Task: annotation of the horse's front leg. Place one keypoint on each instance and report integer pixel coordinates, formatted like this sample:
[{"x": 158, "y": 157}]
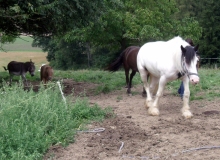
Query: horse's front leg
[
  {"x": 11, "y": 77},
  {"x": 24, "y": 79},
  {"x": 154, "y": 109},
  {"x": 186, "y": 109}
]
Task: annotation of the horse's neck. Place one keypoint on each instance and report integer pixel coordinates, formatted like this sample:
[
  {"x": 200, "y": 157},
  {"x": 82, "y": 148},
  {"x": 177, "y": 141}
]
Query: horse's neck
[{"x": 26, "y": 66}]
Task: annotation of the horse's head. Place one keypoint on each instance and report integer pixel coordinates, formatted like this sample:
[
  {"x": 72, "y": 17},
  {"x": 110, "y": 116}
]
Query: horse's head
[
  {"x": 31, "y": 68},
  {"x": 189, "y": 63}
]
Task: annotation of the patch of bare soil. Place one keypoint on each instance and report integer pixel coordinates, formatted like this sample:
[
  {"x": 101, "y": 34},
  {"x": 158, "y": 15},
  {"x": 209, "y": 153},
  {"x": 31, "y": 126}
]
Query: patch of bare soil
[{"x": 133, "y": 134}]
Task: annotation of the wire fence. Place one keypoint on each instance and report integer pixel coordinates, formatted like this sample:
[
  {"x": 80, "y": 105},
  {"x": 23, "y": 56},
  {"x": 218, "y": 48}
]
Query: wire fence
[{"x": 210, "y": 63}]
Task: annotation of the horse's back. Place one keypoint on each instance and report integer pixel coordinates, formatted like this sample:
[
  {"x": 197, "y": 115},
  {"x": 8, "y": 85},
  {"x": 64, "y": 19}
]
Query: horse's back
[
  {"x": 130, "y": 57},
  {"x": 162, "y": 56},
  {"x": 152, "y": 54},
  {"x": 46, "y": 72},
  {"x": 15, "y": 67}
]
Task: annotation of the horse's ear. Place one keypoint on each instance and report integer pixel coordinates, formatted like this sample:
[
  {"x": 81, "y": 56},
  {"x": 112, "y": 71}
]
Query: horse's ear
[
  {"x": 196, "y": 47},
  {"x": 183, "y": 49},
  {"x": 30, "y": 60}
]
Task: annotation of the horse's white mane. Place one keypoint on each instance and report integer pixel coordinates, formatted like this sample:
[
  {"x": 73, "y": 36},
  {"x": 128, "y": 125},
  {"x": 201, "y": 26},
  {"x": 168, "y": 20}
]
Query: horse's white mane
[{"x": 176, "y": 43}]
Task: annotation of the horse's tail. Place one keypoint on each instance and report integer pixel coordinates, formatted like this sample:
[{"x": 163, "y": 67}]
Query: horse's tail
[
  {"x": 117, "y": 63},
  {"x": 5, "y": 68}
]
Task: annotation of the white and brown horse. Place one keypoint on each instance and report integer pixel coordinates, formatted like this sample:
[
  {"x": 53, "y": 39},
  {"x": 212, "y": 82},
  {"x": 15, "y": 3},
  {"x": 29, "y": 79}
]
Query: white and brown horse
[
  {"x": 167, "y": 61},
  {"x": 20, "y": 69}
]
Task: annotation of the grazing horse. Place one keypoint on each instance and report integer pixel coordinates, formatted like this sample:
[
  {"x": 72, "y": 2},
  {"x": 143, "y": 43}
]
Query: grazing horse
[
  {"x": 167, "y": 61},
  {"x": 129, "y": 60},
  {"x": 20, "y": 69},
  {"x": 46, "y": 73}
]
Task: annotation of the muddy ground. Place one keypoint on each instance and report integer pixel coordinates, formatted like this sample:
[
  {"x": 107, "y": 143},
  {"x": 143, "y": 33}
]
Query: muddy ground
[{"x": 133, "y": 134}]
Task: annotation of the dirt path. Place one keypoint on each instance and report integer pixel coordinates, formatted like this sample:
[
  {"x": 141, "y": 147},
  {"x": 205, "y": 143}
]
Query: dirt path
[{"x": 133, "y": 134}]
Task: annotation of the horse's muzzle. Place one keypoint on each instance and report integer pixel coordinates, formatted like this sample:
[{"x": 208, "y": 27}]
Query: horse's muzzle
[{"x": 194, "y": 80}]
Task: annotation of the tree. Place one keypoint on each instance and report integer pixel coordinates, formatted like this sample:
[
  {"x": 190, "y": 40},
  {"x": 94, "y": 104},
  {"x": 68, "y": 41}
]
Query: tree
[
  {"x": 207, "y": 13},
  {"x": 136, "y": 23},
  {"x": 209, "y": 17},
  {"x": 46, "y": 17},
  {"x": 127, "y": 23}
]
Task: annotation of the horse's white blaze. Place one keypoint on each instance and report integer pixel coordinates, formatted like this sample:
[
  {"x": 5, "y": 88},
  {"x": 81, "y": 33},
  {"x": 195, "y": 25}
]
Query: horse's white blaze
[
  {"x": 163, "y": 61},
  {"x": 194, "y": 79}
]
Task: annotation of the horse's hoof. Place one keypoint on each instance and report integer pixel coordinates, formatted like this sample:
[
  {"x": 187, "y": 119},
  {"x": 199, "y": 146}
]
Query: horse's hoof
[
  {"x": 144, "y": 95},
  {"x": 128, "y": 91},
  {"x": 149, "y": 104},
  {"x": 187, "y": 114},
  {"x": 153, "y": 111}
]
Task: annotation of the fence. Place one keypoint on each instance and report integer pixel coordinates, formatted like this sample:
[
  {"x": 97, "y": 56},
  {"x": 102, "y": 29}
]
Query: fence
[{"x": 212, "y": 63}]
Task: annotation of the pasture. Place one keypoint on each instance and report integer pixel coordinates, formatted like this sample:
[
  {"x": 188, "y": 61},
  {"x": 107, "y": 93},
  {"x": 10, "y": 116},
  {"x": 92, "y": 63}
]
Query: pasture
[
  {"x": 22, "y": 51},
  {"x": 37, "y": 124}
]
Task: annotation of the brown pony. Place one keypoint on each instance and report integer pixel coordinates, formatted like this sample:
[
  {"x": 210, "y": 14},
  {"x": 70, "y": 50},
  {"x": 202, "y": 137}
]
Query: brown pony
[
  {"x": 46, "y": 73},
  {"x": 129, "y": 60}
]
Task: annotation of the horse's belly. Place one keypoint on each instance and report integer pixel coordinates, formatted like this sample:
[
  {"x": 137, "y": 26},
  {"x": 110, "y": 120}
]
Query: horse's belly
[{"x": 16, "y": 73}]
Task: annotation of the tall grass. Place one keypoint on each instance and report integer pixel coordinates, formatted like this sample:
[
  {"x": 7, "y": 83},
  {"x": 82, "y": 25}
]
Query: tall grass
[{"x": 31, "y": 122}]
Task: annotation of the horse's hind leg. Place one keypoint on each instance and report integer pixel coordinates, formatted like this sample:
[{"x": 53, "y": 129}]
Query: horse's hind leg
[
  {"x": 144, "y": 74},
  {"x": 130, "y": 81},
  {"x": 153, "y": 110},
  {"x": 127, "y": 77}
]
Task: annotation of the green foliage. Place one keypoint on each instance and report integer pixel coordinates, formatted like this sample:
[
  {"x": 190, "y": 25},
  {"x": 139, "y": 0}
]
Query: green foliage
[
  {"x": 31, "y": 122},
  {"x": 211, "y": 32},
  {"x": 43, "y": 17},
  {"x": 207, "y": 14},
  {"x": 61, "y": 54},
  {"x": 131, "y": 23}
]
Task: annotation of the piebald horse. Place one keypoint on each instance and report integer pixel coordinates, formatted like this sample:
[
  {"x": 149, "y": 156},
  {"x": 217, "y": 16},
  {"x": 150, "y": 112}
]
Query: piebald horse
[{"x": 166, "y": 61}]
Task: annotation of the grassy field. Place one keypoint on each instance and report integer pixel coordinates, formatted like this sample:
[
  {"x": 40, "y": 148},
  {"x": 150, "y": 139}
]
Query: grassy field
[
  {"x": 22, "y": 44},
  {"x": 22, "y": 51},
  {"x": 31, "y": 121}
]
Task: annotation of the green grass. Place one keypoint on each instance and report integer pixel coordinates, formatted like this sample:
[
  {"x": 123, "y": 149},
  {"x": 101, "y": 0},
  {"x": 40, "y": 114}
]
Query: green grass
[
  {"x": 107, "y": 81},
  {"x": 208, "y": 87},
  {"x": 31, "y": 122},
  {"x": 21, "y": 44}
]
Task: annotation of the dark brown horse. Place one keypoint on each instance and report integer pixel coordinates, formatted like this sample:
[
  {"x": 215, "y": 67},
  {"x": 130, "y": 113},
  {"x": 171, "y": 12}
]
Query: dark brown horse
[
  {"x": 129, "y": 60},
  {"x": 20, "y": 69}
]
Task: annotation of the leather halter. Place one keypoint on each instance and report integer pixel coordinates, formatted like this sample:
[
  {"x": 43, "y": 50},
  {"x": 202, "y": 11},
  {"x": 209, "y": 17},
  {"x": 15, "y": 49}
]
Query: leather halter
[{"x": 185, "y": 70}]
